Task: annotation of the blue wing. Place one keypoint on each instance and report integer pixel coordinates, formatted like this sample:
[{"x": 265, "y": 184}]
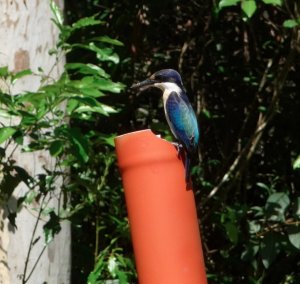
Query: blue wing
[{"x": 182, "y": 120}]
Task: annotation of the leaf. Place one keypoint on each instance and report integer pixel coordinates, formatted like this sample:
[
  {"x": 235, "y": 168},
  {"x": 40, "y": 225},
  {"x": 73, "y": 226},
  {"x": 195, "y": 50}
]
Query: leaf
[
  {"x": 250, "y": 252},
  {"x": 103, "y": 54},
  {"x": 92, "y": 92},
  {"x": 112, "y": 265},
  {"x": 101, "y": 109},
  {"x": 89, "y": 69},
  {"x": 20, "y": 74},
  {"x": 232, "y": 232},
  {"x": 296, "y": 163},
  {"x": 269, "y": 248},
  {"x": 6, "y": 99},
  {"x": 273, "y": 2},
  {"x": 72, "y": 105},
  {"x": 5, "y": 133},
  {"x": 297, "y": 207},
  {"x": 85, "y": 22},
  {"x": 56, "y": 148},
  {"x": 98, "y": 270},
  {"x": 58, "y": 18},
  {"x": 263, "y": 186},
  {"x": 276, "y": 206},
  {"x": 109, "y": 139},
  {"x": 254, "y": 227},
  {"x": 81, "y": 146},
  {"x": 52, "y": 227},
  {"x": 87, "y": 101},
  {"x": 108, "y": 55},
  {"x": 4, "y": 71},
  {"x": 107, "y": 85},
  {"x": 28, "y": 119},
  {"x": 228, "y": 3},
  {"x": 108, "y": 109},
  {"x": 249, "y": 7},
  {"x": 291, "y": 23},
  {"x": 294, "y": 235},
  {"x": 30, "y": 196},
  {"x": 109, "y": 40}
]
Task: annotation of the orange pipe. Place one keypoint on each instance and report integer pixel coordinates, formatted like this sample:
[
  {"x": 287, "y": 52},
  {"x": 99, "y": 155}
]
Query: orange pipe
[{"x": 161, "y": 211}]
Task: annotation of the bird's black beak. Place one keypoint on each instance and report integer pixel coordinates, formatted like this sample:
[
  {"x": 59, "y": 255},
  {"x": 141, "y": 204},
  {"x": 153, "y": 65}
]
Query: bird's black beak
[{"x": 143, "y": 85}]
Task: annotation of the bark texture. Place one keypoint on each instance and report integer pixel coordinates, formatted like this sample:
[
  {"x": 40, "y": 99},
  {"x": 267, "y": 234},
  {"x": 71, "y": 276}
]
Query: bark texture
[{"x": 26, "y": 36}]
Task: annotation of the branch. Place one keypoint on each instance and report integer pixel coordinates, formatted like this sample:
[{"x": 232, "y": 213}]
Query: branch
[{"x": 241, "y": 161}]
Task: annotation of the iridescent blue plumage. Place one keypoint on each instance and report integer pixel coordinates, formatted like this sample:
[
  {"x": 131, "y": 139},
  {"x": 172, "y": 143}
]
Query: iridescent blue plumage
[
  {"x": 182, "y": 120},
  {"x": 178, "y": 110}
]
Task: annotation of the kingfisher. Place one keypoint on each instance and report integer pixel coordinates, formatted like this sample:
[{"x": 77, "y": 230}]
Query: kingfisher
[{"x": 179, "y": 113}]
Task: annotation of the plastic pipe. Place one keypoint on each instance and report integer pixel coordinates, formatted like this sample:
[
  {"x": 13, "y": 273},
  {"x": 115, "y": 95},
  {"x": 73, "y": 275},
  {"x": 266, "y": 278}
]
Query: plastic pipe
[{"x": 161, "y": 211}]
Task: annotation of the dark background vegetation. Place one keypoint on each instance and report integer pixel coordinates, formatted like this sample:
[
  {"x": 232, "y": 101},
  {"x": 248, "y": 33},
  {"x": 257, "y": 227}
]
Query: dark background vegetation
[{"x": 242, "y": 76}]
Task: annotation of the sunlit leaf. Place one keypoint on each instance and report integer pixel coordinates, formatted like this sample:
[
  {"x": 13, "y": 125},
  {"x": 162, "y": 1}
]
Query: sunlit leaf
[
  {"x": 109, "y": 40},
  {"x": 30, "y": 196},
  {"x": 4, "y": 71},
  {"x": 6, "y": 133},
  {"x": 107, "y": 85},
  {"x": 273, "y": 2},
  {"x": 4, "y": 114},
  {"x": 94, "y": 276},
  {"x": 58, "y": 18},
  {"x": 72, "y": 105},
  {"x": 291, "y": 23},
  {"x": 103, "y": 54},
  {"x": 108, "y": 139},
  {"x": 84, "y": 22},
  {"x": 296, "y": 163},
  {"x": 106, "y": 54},
  {"x": 108, "y": 109},
  {"x": 20, "y": 74},
  {"x": 249, "y": 7},
  {"x": 228, "y": 3},
  {"x": 89, "y": 69},
  {"x": 112, "y": 265},
  {"x": 92, "y": 92},
  {"x": 101, "y": 109}
]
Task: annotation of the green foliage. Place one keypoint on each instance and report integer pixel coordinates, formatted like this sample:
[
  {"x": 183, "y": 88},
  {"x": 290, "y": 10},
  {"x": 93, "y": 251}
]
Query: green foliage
[
  {"x": 60, "y": 118},
  {"x": 6, "y": 132},
  {"x": 111, "y": 265},
  {"x": 247, "y": 6},
  {"x": 291, "y": 23}
]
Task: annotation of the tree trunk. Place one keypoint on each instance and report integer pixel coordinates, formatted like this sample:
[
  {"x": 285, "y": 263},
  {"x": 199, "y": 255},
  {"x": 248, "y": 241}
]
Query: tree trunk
[{"x": 26, "y": 35}]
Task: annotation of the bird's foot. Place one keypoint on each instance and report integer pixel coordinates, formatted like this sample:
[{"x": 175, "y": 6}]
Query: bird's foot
[{"x": 178, "y": 147}]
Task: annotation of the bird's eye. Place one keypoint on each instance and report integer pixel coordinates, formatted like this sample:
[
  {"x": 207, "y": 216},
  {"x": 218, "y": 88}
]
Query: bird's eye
[{"x": 159, "y": 78}]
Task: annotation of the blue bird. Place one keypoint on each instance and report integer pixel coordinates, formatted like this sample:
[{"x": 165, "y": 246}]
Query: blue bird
[{"x": 178, "y": 110}]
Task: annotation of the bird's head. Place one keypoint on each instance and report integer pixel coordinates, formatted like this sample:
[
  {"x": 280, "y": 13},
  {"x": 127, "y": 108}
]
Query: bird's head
[{"x": 161, "y": 79}]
